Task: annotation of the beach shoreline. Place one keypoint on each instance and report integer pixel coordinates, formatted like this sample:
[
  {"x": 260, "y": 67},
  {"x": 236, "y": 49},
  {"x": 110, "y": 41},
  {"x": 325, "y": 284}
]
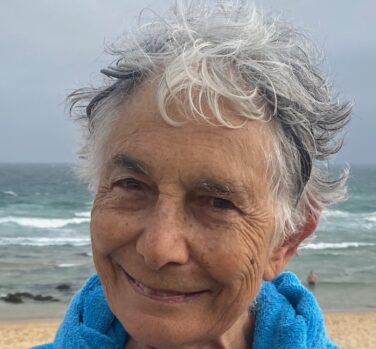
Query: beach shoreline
[{"x": 349, "y": 329}]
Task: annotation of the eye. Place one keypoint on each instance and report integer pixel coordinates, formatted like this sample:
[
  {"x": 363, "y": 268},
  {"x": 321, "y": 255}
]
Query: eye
[
  {"x": 130, "y": 184},
  {"x": 221, "y": 204},
  {"x": 130, "y": 195}
]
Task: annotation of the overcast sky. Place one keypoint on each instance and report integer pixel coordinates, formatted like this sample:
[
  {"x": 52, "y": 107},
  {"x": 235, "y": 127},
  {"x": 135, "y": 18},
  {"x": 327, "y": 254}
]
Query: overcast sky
[{"x": 48, "y": 48}]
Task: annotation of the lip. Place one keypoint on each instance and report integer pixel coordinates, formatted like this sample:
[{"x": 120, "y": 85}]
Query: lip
[{"x": 164, "y": 296}]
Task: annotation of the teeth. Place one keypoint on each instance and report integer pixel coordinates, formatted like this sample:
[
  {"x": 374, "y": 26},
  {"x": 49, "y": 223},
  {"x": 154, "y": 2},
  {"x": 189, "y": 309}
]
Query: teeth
[
  {"x": 156, "y": 293},
  {"x": 150, "y": 292},
  {"x": 162, "y": 294}
]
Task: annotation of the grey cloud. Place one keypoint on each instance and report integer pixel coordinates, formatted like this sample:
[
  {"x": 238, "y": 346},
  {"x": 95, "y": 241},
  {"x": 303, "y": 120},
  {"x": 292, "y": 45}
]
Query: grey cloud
[{"x": 49, "y": 48}]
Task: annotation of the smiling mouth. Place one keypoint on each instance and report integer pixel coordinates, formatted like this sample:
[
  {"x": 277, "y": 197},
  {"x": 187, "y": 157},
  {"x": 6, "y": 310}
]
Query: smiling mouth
[{"x": 166, "y": 296}]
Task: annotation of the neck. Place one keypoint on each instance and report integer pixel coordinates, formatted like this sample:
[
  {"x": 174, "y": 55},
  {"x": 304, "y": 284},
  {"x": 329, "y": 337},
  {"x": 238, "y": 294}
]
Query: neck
[{"x": 239, "y": 336}]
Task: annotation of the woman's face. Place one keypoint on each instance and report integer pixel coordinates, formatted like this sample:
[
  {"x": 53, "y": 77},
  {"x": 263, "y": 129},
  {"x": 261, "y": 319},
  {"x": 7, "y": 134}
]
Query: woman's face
[{"x": 181, "y": 224}]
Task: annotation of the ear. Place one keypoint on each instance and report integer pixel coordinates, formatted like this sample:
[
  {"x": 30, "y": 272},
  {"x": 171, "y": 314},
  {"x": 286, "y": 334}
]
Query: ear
[{"x": 282, "y": 253}]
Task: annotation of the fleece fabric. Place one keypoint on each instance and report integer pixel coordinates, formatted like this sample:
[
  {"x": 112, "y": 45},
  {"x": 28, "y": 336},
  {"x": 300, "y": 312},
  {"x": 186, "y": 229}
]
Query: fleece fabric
[{"x": 287, "y": 316}]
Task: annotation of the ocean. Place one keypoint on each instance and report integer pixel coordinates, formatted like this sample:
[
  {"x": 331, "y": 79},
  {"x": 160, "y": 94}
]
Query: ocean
[{"x": 45, "y": 243}]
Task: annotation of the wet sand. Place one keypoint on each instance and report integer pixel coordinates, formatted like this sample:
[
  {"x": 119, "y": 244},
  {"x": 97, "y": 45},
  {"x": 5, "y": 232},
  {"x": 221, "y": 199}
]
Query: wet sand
[{"x": 349, "y": 330}]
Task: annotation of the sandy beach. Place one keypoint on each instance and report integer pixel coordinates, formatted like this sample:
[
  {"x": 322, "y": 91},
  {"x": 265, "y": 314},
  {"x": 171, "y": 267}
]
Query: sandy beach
[{"x": 350, "y": 330}]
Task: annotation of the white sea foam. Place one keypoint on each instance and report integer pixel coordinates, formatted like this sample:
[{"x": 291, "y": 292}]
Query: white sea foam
[
  {"x": 43, "y": 241},
  {"x": 336, "y": 214},
  {"x": 9, "y": 192},
  {"x": 85, "y": 214},
  {"x": 45, "y": 223},
  {"x": 66, "y": 265},
  {"x": 371, "y": 217},
  {"x": 348, "y": 220},
  {"x": 334, "y": 245}
]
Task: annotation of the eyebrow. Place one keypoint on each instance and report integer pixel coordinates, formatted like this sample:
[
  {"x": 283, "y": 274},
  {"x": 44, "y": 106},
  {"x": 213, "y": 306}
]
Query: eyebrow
[
  {"x": 220, "y": 188},
  {"x": 130, "y": 163},
  {"x": 212, "y": 186}
]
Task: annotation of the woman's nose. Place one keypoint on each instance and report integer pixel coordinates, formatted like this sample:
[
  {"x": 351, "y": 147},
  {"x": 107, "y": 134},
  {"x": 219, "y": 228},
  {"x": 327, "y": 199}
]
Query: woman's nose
[{"x": 164, "y": 239}]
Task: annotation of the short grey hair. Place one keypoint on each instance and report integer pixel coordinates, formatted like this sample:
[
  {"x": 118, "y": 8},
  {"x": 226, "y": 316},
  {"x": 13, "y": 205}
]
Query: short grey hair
[{"x": 202, "y": 52}]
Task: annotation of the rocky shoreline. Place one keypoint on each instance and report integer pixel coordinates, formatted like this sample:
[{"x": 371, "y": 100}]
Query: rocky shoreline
[{"x": 21, "y": 297}]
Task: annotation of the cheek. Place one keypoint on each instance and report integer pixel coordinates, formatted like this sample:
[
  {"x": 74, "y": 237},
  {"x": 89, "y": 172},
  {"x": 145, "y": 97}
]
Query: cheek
[
  {"x": 254, "y": 244},
  {"x": 111, "y": 229},
  {"x": 103, "y": 230},
  {"x": 236, "y": 259},
  {"x": 102, "y": 245}
]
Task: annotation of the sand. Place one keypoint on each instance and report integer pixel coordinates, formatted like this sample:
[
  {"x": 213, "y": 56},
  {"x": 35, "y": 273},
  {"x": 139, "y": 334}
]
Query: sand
[
  {"x": 24, "y": 334},
  {"x": 350, "y": 330},
  {"x": 355, "y": 330}
]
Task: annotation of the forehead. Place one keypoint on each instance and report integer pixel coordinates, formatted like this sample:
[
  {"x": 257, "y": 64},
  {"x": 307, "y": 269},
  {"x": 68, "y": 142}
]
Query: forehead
[{"x": 141, "y": 132}]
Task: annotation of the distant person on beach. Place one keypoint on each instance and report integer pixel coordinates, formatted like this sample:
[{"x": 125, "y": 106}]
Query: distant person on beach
[
  {"x": 206, "y": 147},
  {"x": 312, "y": 278}
]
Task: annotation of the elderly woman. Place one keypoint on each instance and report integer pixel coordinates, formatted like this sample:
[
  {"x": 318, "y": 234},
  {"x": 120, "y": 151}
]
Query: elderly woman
[{"x": 206, "y": 149}]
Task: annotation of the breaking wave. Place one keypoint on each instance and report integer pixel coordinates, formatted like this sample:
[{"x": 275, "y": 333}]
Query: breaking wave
[
  {"x": 43, "y": 241},
  {"x": 9, "y": 192},
  {"x": 85, "y": 214},
  {"x": 333, "y": 245},
  {"x": 43, "y": 223}
]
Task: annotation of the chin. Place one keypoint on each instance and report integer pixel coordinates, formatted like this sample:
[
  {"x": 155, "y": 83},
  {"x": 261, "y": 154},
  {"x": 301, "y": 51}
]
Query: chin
[{"x": 160, "y": 333}]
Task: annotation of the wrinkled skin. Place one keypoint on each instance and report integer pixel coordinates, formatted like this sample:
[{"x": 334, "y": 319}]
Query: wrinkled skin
[{"x": 160, "y": 222}]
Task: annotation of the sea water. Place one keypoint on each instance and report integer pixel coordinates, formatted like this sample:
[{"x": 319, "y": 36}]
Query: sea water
[{"x": 45, "y": 240}]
